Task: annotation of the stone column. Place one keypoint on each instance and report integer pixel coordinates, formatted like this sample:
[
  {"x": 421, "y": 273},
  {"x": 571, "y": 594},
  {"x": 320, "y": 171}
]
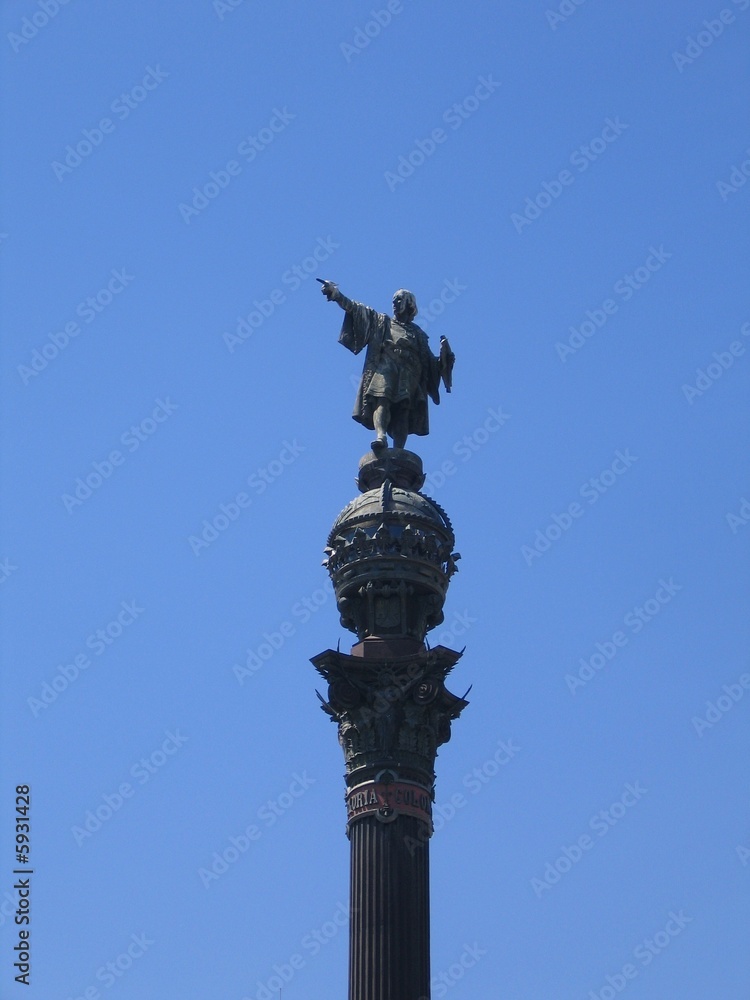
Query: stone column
[
  {"x": 389, "y": 943},
  {"x": 390, "y": 556}
]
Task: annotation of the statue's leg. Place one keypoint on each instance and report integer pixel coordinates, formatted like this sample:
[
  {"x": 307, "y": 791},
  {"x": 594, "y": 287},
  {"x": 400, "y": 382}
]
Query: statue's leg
[
  {"x": 380, "y": 417},
  {"x": 399, "y": 429}
]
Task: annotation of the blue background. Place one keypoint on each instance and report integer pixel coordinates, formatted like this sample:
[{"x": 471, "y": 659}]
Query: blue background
[{"x": 347, "y": 116}]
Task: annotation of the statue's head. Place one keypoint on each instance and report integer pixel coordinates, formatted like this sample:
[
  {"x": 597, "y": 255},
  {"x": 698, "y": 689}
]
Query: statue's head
[{"x": 404, "y": 305}]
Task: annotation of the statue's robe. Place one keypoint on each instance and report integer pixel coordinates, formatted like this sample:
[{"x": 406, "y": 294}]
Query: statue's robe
[{"x": 399, "y": 365}]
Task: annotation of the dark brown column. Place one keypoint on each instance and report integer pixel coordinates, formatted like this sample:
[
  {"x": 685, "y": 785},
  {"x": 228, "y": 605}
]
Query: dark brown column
[
  {"x": 389, "y": 944},
  {"x": 390, "y": 557}
]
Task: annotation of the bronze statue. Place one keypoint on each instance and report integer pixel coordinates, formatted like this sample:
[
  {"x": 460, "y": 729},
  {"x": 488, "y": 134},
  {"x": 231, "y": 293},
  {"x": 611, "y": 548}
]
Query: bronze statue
[{"x": 400, "y": 370}]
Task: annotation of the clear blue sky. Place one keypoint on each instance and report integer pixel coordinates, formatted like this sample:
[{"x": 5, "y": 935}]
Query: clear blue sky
[{"x": 563, "y": 189}]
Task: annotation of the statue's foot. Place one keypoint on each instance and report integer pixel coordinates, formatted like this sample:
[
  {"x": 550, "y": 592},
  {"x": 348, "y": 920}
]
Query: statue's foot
[{"x": 379, "y": 443}]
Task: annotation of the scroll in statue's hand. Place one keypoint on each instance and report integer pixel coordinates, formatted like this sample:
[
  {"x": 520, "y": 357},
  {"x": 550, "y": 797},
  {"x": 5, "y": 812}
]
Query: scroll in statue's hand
[{"x": 446, "y": 359}]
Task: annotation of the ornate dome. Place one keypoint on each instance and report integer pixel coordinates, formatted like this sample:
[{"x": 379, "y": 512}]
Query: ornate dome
[
  {"x": 390, "y": 557},
  {"x": 397, "y": 504}
]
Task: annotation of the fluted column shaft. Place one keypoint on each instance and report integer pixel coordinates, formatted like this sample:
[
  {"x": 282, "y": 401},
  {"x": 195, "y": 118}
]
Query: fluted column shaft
[{"x": 389, "y": 944}]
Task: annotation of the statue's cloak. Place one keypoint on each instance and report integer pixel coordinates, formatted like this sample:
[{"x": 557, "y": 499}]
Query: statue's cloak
[{"x": 366, "y": 327}]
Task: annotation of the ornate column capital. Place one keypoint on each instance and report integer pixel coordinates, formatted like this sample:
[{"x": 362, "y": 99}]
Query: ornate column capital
[{"x": 392, "y": 715}]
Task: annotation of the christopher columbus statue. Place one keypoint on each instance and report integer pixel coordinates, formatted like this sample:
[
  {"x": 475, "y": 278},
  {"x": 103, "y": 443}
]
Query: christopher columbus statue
[{"x": 400, "y": 370}]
